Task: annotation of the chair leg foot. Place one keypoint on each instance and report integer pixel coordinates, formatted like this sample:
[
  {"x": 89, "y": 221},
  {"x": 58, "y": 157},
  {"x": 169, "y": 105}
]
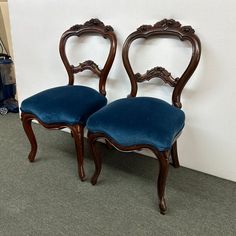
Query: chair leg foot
[
  {"x": 96, "y": 158},
  {"x": 162, "y": 206},
  {"x": 81, "y": 174},
  {"x": 27, "y": 125},
  {"x": 78, "y": 135},
  {"x": 174, "y": 155},
  {"x": 161, "y": 182},
  {"x": 94, "y": 180}
]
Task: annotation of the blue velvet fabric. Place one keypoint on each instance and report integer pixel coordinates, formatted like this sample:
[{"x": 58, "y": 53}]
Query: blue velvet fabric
[
  {"x": 64, "y": 105},
  {"x": 139, "y": 120}
]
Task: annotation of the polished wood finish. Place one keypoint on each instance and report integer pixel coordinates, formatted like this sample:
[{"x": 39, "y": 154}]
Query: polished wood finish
[
  {"x": 162, "y": 177},
  {"x": 174, "y": 155},
  {"x": 162, "y": 156},
  {"x": 159, "y": 72},
  {"x": 163, "y": 28},
  {"x": 93, "y": 26},
  {"x": 76, "y": 131},
  {"x": 27, "y": 125}
]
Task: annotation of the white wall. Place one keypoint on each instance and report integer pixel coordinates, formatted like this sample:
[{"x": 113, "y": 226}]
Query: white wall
[{"x": 208, "y": 141}]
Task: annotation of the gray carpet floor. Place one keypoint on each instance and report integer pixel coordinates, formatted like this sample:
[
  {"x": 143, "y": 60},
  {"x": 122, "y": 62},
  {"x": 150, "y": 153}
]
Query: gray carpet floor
[{"x": 47, "y": 197}]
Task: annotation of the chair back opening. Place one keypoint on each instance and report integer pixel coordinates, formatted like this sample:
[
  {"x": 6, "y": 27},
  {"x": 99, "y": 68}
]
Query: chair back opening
[
  {"x": 170, "y": 29},
  {"x": 91, "y": 27}
]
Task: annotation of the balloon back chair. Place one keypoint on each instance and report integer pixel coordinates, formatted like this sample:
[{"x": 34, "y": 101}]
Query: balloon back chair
[
  {"x": 70, "y": 106},
  {"x": 135, "y": 123}
]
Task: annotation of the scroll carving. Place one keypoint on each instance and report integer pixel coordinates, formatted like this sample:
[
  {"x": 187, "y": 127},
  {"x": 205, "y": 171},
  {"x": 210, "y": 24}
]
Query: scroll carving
[
  {"x": 87, "y": 65},
  {"x": 158, "y": 72},
  {"x": 187, "y": 30},
  {"x": 76, "y": 27},
  {"x": 144, "y": 28},
  {"x": 93, "y": 22},
  {"x": 166, "y": 24}
]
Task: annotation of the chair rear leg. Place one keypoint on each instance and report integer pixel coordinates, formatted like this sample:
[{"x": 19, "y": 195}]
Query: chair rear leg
[
  {"x": 96, "y": 158},
  {"x": 27, "y": 125},
  {"x": 78, "y": 135},
  {"x": 161, "y": 182},
  {"x": 108, "y": 145},
  {"x": 174, "y": 155}
]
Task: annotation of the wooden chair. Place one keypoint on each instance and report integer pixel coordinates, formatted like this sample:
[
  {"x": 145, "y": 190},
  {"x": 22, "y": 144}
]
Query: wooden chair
[
  {"x": 70, "y": 106},
  {"x": 135, "y": 123}
]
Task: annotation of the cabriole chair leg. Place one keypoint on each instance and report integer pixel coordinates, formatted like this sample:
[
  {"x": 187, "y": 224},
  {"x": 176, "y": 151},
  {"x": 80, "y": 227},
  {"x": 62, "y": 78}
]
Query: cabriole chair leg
[
  {"x": 161, "y": 182},
  {"x": 96, "y": 158},
  {"x": 27, "y": 125},
  {"x": 78, "y": 135},
  {"x": 174, "y": 155}
]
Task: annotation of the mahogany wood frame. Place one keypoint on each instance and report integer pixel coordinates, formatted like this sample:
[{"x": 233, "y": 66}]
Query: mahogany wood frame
[
  {"x": 162, "y": 28},
  {"x": 93, "y": 26}
]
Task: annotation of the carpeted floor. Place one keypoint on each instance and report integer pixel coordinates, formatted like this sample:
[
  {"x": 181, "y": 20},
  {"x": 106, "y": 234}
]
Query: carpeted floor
[{"x": 47, "y": 197}]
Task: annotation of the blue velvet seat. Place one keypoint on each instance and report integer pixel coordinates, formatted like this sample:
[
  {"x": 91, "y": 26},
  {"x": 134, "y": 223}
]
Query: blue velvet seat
[
  {"x": 70, "y": 106},
  {"x": 139, "y": 120},
  {"x": 135, "y": 123},
  {"x": 51, "y": 107}
]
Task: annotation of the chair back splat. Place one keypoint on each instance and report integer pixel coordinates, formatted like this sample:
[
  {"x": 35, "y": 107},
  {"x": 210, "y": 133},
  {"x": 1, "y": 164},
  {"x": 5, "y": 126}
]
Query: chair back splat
[
  {"x": 163, "y": 28},
  {"x": 93, "y": 26},
  {"x": 135, "y": 123}
]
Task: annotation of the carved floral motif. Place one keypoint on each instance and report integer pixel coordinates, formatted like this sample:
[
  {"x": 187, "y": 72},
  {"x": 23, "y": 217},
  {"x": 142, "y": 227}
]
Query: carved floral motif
[
  {"x": 92, "y": 22},
  {"x": 166, "y": 24},
  {"x": 144, "y": 28},
  {"x": 76, "y": 27},
  {"x": 187, "y": 30},
  {"x": 87, "y": 65},
  {"x": 159, "y": 72}
]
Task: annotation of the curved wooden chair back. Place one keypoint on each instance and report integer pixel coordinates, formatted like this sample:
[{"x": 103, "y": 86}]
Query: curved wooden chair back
[
  {"x": 93, "y": 26},
  {"x": 164, "y": 28}
]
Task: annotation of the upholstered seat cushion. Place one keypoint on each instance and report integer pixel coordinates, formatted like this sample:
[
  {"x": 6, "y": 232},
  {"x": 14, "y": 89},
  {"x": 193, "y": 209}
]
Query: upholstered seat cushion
[
  {"x": 64, "y": 105},
  {"x": 140, "y": 120}
]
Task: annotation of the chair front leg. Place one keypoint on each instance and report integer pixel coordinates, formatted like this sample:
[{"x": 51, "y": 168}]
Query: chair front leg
[
  {"x": 78, "y": 135},
  {"x": 27, "y": 125},
  {"x": 97, "y": 158},
  {"x": 161, "y": 182},
  {"x": 174, "y": 155}
]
